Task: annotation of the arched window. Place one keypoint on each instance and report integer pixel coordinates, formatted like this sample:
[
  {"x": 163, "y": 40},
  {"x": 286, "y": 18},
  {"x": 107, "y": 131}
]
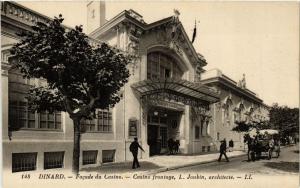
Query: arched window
[
  {"x": 241, "y": 110},
  {"x": 227, "y": 111},
  {"x": 197, "y": 132},
  {"x": 207, "y": 131},
  {"x": 162, "y": 66}
]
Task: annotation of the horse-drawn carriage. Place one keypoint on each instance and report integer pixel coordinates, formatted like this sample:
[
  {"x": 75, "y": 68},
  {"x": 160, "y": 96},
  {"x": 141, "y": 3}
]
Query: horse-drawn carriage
[{"x": 265, "y": 144}]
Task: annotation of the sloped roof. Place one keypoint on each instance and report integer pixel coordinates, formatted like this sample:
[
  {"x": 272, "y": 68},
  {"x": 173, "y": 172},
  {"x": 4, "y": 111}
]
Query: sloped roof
[{"x": 136, "y": 19}]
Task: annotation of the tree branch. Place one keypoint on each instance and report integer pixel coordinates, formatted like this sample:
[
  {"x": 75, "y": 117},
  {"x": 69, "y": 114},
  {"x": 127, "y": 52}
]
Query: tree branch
[
  {"x": 85, "y": 89},
  {"x": 68, "y": 106},
  {"x": 93, "y": 100}
]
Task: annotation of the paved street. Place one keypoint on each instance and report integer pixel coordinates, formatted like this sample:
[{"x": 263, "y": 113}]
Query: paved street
[
  {"x": 159, "y": 163},
  {"x": 287, "y": 163}
]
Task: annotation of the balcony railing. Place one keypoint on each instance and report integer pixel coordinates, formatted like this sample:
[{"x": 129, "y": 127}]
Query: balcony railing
[{"x": 21, "y": 13}]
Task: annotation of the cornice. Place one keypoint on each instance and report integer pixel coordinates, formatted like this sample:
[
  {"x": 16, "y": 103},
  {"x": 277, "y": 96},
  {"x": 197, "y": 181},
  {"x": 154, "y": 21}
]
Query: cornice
[
  {"x": 124, "y": 17},
  {"x": 17, "y": 13},
  {"x": 229, "y": 85}
]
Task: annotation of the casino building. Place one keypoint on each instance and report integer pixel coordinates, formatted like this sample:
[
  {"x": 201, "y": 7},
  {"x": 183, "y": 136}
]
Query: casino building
[{"x": 168, "y": 95}]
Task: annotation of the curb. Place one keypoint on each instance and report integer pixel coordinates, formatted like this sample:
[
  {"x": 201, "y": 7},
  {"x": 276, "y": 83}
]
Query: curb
[{"x": 165, "y": 169}]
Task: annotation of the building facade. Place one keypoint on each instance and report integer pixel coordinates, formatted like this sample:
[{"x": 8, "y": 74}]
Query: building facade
[
  {"x": 237, "y": 103},
  {"x": 168, "y": 96}
]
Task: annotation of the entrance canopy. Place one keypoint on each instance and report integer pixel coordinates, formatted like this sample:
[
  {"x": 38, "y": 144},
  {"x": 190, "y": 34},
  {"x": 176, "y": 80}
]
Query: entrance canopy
[{"x": 188, "y": 93}]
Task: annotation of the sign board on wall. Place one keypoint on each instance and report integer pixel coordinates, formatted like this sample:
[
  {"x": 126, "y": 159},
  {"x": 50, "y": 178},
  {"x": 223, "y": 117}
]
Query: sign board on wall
[{"x": 133, "y": 122}]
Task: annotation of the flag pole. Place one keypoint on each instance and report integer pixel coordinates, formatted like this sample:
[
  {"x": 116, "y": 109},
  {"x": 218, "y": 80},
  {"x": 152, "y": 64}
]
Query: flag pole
[{"x": 194, "y": 32}]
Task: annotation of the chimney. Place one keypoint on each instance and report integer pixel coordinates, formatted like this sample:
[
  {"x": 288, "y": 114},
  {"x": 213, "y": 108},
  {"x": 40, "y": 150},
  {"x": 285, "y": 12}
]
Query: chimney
[{"x": 95, "y": 15}]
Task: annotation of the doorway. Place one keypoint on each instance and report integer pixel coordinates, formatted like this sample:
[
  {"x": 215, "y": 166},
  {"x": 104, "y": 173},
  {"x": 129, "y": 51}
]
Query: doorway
[
  {"x": 153, "y": 140},
  {"x": 162, "y": 125}
]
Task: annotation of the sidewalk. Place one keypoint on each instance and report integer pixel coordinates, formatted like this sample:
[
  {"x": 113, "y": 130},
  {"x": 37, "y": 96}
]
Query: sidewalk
[{"x": 158, "y": 164}]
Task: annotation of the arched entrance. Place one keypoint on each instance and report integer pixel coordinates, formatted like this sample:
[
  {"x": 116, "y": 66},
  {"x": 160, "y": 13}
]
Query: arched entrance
[
  {"x": 162, "y": 121},
  {"x": 167, "y": 96}
]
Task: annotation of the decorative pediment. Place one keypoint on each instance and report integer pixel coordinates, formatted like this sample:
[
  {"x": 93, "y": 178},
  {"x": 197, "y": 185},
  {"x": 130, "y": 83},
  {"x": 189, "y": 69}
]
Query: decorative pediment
[{"x": 171, "y": 33}]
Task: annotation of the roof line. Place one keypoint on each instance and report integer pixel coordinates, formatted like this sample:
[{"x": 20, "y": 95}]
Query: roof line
[{"x": 227, "y": 83}]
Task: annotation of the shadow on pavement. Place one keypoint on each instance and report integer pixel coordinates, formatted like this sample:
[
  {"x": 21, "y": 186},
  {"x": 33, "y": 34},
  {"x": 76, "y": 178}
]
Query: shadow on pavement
[
  {"x": 121, "y": 167},
  {"x": 284, "y": 166}
]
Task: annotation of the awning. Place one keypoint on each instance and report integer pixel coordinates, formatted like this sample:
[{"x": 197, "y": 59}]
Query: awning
[{"x": 189, "y": 93}]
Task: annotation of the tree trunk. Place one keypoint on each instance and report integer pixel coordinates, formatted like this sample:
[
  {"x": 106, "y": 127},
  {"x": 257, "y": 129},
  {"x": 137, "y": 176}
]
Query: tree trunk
[{"x": 76, "y": 147}]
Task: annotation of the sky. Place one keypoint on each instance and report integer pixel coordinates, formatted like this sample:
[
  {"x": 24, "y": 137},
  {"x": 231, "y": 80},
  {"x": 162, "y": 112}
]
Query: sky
[{"x": 260, "y": 39}]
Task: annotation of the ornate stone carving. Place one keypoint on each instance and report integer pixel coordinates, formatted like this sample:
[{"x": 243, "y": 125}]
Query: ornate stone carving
[
  {"x": 200, "y": 114},
  {"x": 134, "y": 34},
  {"x": 170, "y": 34},
  {"x": 242, "y": 82},
  {"x": 136, "y": 16},
  {"x": 161, "y": 35}
]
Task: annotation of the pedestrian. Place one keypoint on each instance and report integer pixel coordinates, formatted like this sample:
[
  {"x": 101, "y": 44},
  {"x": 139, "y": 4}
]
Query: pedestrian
[
  {"x": 171, "y": 146},
  {"x": 176, "y": 147},
  {"x": 134, "y": 148},
  {"x": 231, "y": 145},
  {"x": 223, "y": 148}
]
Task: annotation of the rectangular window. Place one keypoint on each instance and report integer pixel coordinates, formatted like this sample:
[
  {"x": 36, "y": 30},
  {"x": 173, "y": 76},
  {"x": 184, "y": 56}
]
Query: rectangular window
[
  {"x": 108, "y": 156},
  {"x": 50, "y": 120},
  {"x": 203, "y": 148},
  {"x": 23, "y": 162},
  {"x": 20, "y": 116},
  {"x": 89, "y": 125},
  {"x": 208, "y": 148},
  {"x": 89, "y": 157},
  {"x": 197, "y": 132},
  {"x": 54, "y": 159},
  {"x": 104, "y": 121}
]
